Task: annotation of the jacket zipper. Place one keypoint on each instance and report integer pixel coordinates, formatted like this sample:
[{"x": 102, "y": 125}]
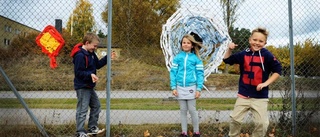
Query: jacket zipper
[{"x": 185, "y": 70}]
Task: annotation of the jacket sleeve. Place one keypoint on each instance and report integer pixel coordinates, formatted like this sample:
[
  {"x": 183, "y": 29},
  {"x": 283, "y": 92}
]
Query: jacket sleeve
[
  {"x": 100, "y": 63},
  {"x": 276, "y": 65},
  {"x": 173, "y": 74},
  {"x": 233, "y": 59},
  {"x": 200, "y": 75}
]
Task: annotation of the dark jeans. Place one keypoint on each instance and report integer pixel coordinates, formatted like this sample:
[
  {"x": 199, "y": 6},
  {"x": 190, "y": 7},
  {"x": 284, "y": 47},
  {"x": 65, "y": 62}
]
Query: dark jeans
[{"x": 87, "y": 98}]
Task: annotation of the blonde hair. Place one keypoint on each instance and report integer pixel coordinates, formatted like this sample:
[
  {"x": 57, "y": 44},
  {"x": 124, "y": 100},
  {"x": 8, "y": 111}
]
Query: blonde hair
[
  {"x": 196, "y": 45},
  {"x": 262, "y": 31},
  {"x": 90, "y": 37}
]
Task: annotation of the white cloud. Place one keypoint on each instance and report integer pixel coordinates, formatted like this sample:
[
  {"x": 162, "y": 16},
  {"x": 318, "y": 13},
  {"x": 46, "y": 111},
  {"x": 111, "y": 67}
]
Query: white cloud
[
  {"x": 275, "y": 17},
  {"x": 251, "y": 14},
  {"x": 39, "y": 14}
]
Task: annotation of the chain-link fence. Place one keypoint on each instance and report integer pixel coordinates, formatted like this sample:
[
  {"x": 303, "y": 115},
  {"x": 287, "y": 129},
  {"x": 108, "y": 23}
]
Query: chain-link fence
[{"x": 37, "y": 100}]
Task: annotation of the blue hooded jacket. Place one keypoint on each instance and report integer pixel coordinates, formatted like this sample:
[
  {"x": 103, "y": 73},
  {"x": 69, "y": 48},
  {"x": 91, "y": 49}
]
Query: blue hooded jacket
[
  {"x": 187, "y": 70},
  {"x": 255, "y": 68},
  {"x": 85, "y": 64}
]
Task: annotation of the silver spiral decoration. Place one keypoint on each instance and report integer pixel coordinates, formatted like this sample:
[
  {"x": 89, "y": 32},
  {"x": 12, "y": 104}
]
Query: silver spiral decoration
[{"x": 212, "y": 32}]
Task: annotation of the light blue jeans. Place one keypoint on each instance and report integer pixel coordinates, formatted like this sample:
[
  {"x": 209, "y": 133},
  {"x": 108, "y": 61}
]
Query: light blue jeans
[{"x": 87, "y": 98}]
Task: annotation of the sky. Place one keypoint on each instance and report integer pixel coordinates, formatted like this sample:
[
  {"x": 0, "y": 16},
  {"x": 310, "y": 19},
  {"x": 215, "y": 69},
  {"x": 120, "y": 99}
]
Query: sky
[
  {"x": 40, "y": 13},
  {"x": 274, "y": 16},
  {"x": 271, "y": 14}
]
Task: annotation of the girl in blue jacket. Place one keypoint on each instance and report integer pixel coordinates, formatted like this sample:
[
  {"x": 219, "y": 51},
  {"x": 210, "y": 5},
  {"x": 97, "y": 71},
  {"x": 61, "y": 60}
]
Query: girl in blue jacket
[
  {"x": 258, "y": 69},
  {"x": 186, "y": 80}
]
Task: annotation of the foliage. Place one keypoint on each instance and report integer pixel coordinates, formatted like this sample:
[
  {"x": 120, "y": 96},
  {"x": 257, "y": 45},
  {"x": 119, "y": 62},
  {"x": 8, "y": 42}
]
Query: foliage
[
  {"x": 306, "y": 109},
  {"x": 20, "y": 48},
  {"x": 305, "y": 58},
  {"x": 229, "y": 11},
  {"x": 81, "y": 20},
  {"x": 130, "y": 17},
  {"x": 240, "y": 37}
]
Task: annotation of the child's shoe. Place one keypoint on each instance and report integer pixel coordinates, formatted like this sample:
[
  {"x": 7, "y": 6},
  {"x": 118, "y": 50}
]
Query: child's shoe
[
  {"x": 196, "y": 134},
  {"x": 93, "y": 130},
  {"x": 81, "y": 134},
  {"x": 183, "y": 135}
]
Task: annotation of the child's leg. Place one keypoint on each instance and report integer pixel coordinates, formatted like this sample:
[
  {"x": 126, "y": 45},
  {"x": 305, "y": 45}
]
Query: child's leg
[
  {"x": 183, "y": 115},
  {"x": 194, "y": 114},
  {"x": 260, "y": 115},
  {"x": 94, "y": 110},
  {"x": 83, "y": 96},
  {"x": 241, "y": 108}
]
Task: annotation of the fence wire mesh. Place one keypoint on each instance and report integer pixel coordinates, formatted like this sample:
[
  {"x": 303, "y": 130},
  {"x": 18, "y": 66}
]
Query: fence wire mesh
[{"x": 141, "y": 100}]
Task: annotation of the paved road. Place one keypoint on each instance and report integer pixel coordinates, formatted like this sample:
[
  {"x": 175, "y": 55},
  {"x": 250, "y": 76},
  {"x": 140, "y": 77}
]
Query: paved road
[{"x": 66, "y": 116}]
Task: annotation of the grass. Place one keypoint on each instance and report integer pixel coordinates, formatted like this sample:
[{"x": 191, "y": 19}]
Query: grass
[
  {"x": 156, "y": 130},
  {"x": 135, "y": 104},
  {"x": 32, "y": 73}
]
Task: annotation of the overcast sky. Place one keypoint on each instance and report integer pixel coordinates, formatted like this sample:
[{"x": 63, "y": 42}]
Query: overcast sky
[{"x": 272, "y": 14}]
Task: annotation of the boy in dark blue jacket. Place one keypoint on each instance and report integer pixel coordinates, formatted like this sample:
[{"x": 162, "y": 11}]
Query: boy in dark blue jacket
[
  {"x": 86, "y": 63},
  {"x": 256, "y": 64}
]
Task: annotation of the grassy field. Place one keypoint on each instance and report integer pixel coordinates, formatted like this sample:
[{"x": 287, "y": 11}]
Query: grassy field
[
  {"x": 136, "y": 104},
  {"x": 34, "y": 74}
]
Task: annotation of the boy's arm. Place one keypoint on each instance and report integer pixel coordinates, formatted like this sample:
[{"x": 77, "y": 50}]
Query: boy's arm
[
  {"x": 270, "y": 80},
  {"x": 229, "y": 50}
]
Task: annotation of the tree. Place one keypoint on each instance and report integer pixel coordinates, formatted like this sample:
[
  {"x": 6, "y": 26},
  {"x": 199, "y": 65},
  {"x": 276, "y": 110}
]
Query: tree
[
  {"x": 137, "y": 25},
  {"x": 229, "y": 15},
  {"x": 240, "y": 37},
  {"x": 101, "y": 34},
  {"x": 81, "y": 20},
  {"x": 229, "y": 11}
]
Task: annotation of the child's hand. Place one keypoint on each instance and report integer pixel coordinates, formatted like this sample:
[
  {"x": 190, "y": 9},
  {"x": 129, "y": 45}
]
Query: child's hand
[
  {"x": 113, "y": 55},
  {"x": 197, "y": 94},
  {"x": 94, "y": 78},
  {"x": 260, "y": 86},
  {"x": 174, "y": 92},
  {"x": 232, "y": 46}
]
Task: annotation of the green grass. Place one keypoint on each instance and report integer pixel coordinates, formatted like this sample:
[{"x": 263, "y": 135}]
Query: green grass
[{"x": 133, "y": 104}]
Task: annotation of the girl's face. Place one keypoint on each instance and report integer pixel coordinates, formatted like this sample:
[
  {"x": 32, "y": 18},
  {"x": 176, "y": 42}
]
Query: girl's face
[
  {"x": 186, "y": 45},
  {"x": 257, "y": 41}
]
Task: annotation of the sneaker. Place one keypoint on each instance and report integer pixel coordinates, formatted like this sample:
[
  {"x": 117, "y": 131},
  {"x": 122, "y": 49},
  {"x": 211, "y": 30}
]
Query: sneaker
[
  {"x": 93, "y": 130},
  {"x": 196, "y": 134},
  {"x": 82, "y": 134},
  {"x": 183, "y": 135}
]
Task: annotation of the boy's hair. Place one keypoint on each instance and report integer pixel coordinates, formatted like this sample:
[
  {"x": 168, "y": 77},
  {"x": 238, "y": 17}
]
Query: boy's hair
[
  {"x": 261, "y": 30},
  {"x": 90, "y": 37},
  {"x": 196, "y": 45}
]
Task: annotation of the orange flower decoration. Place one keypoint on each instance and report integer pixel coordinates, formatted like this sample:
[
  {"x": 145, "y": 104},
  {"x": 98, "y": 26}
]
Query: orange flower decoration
[{"x": 51, "y": 43}]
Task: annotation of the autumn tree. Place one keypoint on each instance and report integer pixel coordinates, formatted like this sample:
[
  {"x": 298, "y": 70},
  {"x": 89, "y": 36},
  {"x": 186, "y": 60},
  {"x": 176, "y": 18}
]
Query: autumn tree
[
  {"x": 137, "y": 26},
  {"x": 229, "y": 11},
  {"x": 240, "y": 37},
  {"x": 81, "y": 20},
  {"x": 229, "y": 15},
  {"x": 306, "y": 58}
]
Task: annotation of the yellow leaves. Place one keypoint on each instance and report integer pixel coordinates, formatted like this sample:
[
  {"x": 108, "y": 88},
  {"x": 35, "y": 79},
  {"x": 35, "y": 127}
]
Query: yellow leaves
[{"x": 49, "y": 42}]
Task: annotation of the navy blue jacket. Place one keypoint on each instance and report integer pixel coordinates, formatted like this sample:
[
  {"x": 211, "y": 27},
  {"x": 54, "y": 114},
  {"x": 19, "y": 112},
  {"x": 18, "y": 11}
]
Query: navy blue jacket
[
  {"x": 253, "y": 71},
  {"x": 85, "y": 64}
]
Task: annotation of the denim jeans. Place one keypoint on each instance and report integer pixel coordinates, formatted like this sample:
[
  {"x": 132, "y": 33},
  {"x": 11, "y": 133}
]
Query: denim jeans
[{"x": 87, "y": 98}]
